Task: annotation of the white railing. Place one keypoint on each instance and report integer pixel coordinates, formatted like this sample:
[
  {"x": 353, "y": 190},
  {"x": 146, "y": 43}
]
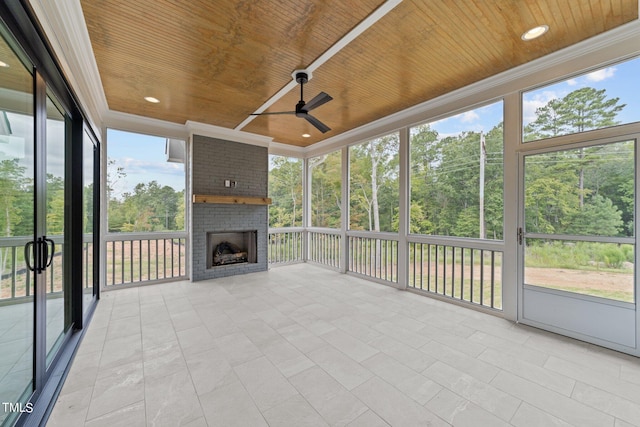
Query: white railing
[
  {"x": 286, "y": 245},
  {"x": 144, "y": 257},
  {"x": 467, "y": 270},
  {"x": 325, "y": 246},
  {"x": 462, "y": 269},
  {"x": 374, "y": 255}
]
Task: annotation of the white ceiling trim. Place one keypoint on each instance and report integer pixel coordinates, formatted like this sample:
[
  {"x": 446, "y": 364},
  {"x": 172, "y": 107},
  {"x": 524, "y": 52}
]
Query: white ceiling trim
[
  {"x": 196, "y": 128},
  {"x": 364, "y": 25},
  {"x": 64, "y": 26},
  {"x": 145, "y": 125},
  {"x": 286, "y": 150}
]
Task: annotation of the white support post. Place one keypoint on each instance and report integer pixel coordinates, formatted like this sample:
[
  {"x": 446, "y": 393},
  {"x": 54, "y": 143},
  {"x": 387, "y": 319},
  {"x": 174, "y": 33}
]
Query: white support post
[
  {"x": 344, "y": 219},
  {"x": 306, "y": 207},
  {"x": 104, "y": 220},
  {"x": 510, "y": 256},
  {"x": 403, "y": 210},
  {"x": 483, "y": 159}
]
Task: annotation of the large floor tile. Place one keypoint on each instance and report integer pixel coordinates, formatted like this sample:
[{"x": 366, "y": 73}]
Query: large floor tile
[
  {"x": 231, "y": 406},
  {"x": 210, "y": 370},
  {"x": 264, "y": 382},
  {"x": 418, "y": 387},
  {"x": 116, "y": 388},
  {"x": 393, "y": 406},
  {"x": 171, "y": 400},
  {"x": 562, "y": 407},
  {"x": 499, "y": 402},
  {"x": 459, "y": 411},
  {"x": 336, "y": 404},
  {"x": 294, "y": 411},
  {"x": 342, "y": 368},
  {"x": 129, "y": 416}
]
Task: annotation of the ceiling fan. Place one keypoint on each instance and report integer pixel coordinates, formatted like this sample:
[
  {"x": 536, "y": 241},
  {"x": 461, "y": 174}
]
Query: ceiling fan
[{"x": 303, "y": 108}]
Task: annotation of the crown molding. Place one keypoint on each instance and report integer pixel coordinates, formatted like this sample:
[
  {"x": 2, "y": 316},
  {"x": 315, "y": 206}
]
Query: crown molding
[
  {"x": 613, "y": 46},
  {"x": 66, "y": 30},
  {"x": 287, "y": 150},
  {"x": 146, "y": 125},
  {"x": 203, "y": 129}
]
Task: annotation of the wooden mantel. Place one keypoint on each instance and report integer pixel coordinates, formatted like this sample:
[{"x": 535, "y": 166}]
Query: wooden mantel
[{"x": 231, "y": 200}]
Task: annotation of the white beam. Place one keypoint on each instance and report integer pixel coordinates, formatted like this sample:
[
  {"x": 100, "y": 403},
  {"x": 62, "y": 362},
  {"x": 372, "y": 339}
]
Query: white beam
[{"x": 364, "y": 25}]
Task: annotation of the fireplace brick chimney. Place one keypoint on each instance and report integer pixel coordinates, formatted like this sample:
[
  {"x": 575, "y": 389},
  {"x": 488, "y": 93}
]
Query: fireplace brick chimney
[{"x": 214, "y": 161}]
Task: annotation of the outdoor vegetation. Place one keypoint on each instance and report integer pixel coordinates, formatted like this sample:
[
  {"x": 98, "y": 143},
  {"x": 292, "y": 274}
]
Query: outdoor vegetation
[
  {"x": 326, "y": 190},
  {"x": 148, "y": 207},
  {"x": 456, "y": 188},
  {"x": 16, "y": 205},
  {"x": 586, "y": 191},
  {"x": 285, "y": 191}
]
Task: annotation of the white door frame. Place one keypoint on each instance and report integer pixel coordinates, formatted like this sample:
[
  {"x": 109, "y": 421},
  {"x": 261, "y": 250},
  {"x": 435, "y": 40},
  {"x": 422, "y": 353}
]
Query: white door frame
[{"x": 608, "y": 323}]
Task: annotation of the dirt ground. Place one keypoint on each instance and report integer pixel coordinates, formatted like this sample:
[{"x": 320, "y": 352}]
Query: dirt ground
[
  {"x": 553, "y": 277},
  {"x": 580, "y": 279}
]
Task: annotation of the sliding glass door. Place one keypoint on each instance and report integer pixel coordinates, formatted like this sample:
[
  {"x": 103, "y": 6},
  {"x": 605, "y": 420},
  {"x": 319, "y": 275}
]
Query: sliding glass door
[
  {"x": 48, "y": 218},
  {"x": 53, "y": 277},
  {"x": 16, "y": 230}
]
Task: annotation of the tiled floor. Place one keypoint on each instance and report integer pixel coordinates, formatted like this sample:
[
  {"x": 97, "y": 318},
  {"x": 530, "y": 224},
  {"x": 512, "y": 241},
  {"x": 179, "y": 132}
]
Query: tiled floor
[
  {"x": 16, "y": 344},
  {"x": 304, "y": 346}
]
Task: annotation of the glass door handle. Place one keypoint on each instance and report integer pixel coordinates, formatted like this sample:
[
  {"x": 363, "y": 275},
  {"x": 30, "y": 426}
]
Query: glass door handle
[
  {"x": 48, "y": 259},
  {"x": 28, "y": 249}
]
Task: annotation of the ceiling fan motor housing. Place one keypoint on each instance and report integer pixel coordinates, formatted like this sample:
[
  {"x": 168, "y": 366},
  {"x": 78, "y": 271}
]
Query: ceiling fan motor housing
[
  {"x": 302, "y": 77},
  {"x": 299, "y": 111}
]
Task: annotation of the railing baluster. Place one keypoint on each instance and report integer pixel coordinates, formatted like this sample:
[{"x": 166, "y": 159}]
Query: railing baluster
[
  {"x": 179, "y": 257},
  {"x": 481, "y": 277},
  {"x": 140, "y": 260},
  {"x": 471, "y": 276},
  {"x": 462, "y": 274},
  {"x": 444, "y": 271},
  {"x": 429, "y": 266},
  {"x": 172, "y": 260},
  {"x": 493, "y": 270},
  {"x": 14, "y": 252},
  {"x": 453, "y": 270}
]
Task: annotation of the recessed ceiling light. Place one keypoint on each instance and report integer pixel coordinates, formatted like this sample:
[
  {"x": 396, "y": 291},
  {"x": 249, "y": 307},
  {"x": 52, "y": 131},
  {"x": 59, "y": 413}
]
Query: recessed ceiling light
[
  {"x": 151, "y": 99},
  {"x": 4, "y": 64},
  {"x": 535, "y": 32},
  {"x": 306, "y": 135}
]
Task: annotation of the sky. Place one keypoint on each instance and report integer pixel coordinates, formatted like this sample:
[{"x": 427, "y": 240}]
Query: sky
[
  {"x": 619, "y": 81},
  {"x": 143, "y": 157}
]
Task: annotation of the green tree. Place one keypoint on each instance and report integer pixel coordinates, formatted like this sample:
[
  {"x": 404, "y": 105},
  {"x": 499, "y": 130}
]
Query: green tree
[
  {"x": 579, "y": 111},
  {"x": 326, "y": 184},
  {"x": 373, "y": 173},
  {"x": 14, "y": 189},
  {"x": 598, "y": 217},
  {"x": 445, "y": 183},
  {"x": 285, "y": 190}
]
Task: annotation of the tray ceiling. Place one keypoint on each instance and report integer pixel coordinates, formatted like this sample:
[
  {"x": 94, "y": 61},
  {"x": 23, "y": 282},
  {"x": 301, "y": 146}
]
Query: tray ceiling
[{"x": 218, "y": 62}]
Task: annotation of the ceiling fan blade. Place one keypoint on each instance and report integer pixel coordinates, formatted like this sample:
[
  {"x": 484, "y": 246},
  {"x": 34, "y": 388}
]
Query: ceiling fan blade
[
  {"x": 272, "y": 113},
  {"x": 317, "y": 123},
  {"x": 318, "y": 100}
]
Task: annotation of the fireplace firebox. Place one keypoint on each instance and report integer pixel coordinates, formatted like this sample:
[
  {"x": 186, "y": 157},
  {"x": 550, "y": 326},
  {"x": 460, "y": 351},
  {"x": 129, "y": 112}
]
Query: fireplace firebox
[{"x": 231, "y": 247}]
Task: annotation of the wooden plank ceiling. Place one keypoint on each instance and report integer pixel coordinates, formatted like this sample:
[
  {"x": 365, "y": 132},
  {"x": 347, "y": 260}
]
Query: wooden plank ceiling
[{"x": 216, "y": 62}]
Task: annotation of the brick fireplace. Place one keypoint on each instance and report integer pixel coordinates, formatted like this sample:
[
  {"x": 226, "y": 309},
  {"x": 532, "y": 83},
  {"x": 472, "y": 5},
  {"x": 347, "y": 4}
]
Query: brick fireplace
[{"x": 228, "y": 170}]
